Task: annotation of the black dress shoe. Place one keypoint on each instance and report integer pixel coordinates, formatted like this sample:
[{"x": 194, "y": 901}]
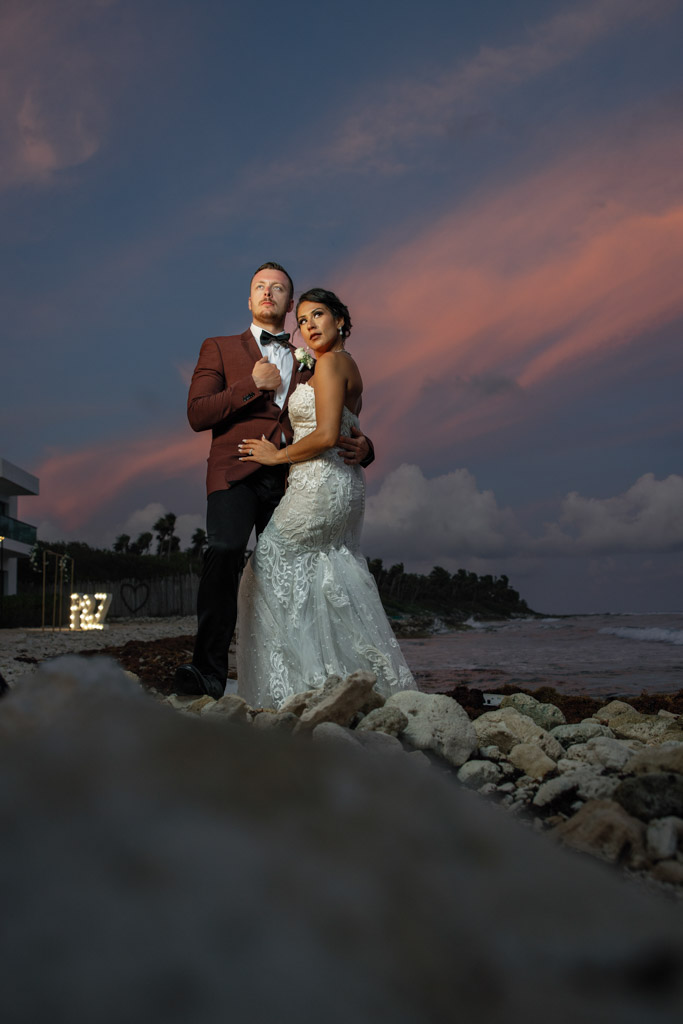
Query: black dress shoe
[{"x": 190, "y": 680}]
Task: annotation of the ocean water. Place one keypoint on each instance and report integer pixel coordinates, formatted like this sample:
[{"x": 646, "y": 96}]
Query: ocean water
[{"x": 597, "y": 655}]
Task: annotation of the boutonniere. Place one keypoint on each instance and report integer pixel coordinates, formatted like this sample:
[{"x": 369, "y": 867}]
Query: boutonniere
[{"x": 304, "y": 359}]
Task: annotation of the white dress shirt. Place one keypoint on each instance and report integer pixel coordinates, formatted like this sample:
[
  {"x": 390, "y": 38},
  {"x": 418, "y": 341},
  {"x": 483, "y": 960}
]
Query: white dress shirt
[{"x": 280, "y": 356}]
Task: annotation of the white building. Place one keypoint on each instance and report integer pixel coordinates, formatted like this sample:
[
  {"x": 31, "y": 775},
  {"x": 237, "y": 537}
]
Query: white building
[{"x": 16, "y": 538}]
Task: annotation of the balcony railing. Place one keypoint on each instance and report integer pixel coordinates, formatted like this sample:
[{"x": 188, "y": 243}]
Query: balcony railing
[{"x": 13, "y": 529}]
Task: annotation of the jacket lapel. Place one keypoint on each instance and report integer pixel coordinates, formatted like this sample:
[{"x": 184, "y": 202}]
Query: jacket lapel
[{"x": 250, "y": 346}]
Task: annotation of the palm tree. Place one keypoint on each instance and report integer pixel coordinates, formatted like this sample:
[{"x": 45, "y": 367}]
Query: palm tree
[
  {"x": 199, "y": 541},
  {"x": 122, "y": 543},
  {"x": 166, "y": 538},
  {"x": 143, "y": 543}
]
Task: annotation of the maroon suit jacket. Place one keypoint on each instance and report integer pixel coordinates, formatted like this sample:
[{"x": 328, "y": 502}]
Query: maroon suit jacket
[{"x": 224, "y": 399}]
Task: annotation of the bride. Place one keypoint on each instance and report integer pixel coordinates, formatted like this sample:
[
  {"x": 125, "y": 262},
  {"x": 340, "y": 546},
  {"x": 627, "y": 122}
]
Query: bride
[{"x": 308, "y": 606}]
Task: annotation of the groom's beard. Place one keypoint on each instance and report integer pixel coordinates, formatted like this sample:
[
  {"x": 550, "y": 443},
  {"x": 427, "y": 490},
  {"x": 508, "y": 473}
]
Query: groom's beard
[{"x": 272, "y": 317}]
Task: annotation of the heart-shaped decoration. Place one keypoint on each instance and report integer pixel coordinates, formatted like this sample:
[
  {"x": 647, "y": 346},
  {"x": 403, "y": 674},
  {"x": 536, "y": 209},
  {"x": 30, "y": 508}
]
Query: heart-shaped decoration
[{"x": 134, "y": 589}]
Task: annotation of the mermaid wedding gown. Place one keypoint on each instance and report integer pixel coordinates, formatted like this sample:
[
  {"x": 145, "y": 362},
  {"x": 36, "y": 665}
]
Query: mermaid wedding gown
[{"x": 308, "y": 605}]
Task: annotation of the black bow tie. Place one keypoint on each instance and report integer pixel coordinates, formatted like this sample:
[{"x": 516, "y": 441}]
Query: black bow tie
[{"x": 279, "y": 339}]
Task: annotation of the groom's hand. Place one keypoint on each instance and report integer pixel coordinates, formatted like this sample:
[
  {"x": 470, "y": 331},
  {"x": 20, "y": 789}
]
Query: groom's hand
[
  {"x": 354, "y": 449},
  {"x": 266, "y": 376}
]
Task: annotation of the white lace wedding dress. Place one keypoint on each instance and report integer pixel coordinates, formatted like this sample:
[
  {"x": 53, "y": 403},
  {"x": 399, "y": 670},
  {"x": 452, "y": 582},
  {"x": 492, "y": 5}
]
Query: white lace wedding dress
[{"x": 308, "y": 605}]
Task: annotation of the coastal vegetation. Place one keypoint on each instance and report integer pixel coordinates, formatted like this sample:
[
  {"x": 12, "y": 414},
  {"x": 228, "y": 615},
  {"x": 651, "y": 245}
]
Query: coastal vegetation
[
  {"x": 451, "y": 597},
  {"x": 416, "y": 603}
]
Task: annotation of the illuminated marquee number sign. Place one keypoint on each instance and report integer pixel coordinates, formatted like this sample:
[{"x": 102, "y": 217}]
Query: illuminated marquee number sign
[{"x": 88, "y": 611}]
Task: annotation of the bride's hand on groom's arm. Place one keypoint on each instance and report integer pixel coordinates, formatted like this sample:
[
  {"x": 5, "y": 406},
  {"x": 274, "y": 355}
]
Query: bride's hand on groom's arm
[
  {"x": 254, "y": 450},
  {"x": 354, "y": 449}
]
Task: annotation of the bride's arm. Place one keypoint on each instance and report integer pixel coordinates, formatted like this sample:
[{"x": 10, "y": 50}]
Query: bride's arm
[{"x": 330, "y": 392}]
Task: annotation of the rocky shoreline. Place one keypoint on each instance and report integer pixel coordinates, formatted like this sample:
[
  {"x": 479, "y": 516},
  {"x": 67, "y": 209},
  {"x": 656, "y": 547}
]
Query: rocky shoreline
[
  {"x": 602, "y": 778},
  {"x": 609, "y": 785},
  {"x": 344, "y": 858}
]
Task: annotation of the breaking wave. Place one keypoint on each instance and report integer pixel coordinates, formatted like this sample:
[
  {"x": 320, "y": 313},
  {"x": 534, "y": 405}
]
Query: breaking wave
[{"x": 653, "y": 634}]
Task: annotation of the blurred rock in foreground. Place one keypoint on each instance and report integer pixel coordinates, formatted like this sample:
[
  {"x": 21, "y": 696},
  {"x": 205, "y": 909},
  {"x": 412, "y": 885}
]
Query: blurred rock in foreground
[{"x": 158, "y": 867}]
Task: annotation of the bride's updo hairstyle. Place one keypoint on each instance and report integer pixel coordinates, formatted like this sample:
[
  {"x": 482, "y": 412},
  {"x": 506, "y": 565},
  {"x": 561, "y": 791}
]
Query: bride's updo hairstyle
[{"x": 335, "y": 306}]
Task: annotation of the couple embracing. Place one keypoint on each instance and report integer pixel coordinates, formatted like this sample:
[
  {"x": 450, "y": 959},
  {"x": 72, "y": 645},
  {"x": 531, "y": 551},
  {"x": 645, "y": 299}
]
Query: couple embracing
[{"x": 285, "y": 460}]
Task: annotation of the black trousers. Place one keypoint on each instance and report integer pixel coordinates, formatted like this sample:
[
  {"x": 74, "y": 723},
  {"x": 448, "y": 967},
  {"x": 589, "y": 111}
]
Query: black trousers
[{"x": 230, "y": 517}]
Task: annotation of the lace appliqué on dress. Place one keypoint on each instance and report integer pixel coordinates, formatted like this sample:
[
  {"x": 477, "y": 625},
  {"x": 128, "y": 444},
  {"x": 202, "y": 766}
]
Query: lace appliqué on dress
[{"x": 308, "y": 605}]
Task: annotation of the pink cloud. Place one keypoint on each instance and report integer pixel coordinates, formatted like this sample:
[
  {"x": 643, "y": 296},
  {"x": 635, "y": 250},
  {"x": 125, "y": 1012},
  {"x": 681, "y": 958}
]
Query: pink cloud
[
  {"x": 49, "y": 100},
  {"x": 379, "y": 129},
  {"x": 73, "y": 485},
  {"x": 547, "y": 279},
  {"x": 538, "y": 280},
  {"x": 407, "y": 111}
]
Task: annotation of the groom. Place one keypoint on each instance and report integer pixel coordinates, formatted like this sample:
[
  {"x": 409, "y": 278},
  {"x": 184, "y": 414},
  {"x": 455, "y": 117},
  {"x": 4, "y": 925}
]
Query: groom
[{"x": 240, "y": 388}]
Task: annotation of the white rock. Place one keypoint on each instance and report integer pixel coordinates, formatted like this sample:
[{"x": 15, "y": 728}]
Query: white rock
[
  {"x": 604, "y": 829},
  {"x": 525, "y": 794},
  {"x": 662, "y": 837},
  {"x": 229, "y": 706},
  {"x": 611, "y": 754},
  {"x": 340, "y": 701},
  {"x": 530, "y": 759},
  {"x": 584, "y": 781},
  {"x": 476, "y": 774},
  {"x": 387, "y": 719},
  {"x": 627, "y": 723},
  {"x": 580, "y": 732},
  {"x": 506, "y": 727},
  {"x": 548, "y": 716},
  {"x": 179, "y": 701},
  {"x": 436, "y": 722},
  {"x": 568, "y": 764},
  {"x": 665, "y": 757},
  {"x": 593, "y": 786},
  {"x": 552, "y": 790},
  {"x": 200, "y": 705},
  {"x": 298, "y": 702},
  {"x": 492, "y": 753},
  {"x": 280, "y": 721},
  {"x": 613, "y": 710}
]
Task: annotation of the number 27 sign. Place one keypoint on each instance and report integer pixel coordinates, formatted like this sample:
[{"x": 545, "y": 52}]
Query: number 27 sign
[{"x": 88, "y": 611}]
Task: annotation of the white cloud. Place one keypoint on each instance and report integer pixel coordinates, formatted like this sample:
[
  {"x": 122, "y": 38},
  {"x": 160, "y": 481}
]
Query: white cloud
[
  {"x": 143, "y": 519},
  {"x": 442, "y": 518},
  {"x": 646, "y": 517},
  {"x": 447, "y": 519}
]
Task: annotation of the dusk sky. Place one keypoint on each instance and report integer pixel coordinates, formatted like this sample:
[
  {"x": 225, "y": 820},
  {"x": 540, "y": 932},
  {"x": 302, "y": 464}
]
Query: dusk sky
[{"x": 495, "y": 190}]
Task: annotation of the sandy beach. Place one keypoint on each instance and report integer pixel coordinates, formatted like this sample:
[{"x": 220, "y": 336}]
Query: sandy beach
[
  {"x": 21, "y": 648},
  {"x": 600, "y": 656}
]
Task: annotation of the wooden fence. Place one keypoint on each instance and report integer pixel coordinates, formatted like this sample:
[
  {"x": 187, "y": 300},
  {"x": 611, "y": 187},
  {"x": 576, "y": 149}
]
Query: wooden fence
[{"x": 156, "y": 597}]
